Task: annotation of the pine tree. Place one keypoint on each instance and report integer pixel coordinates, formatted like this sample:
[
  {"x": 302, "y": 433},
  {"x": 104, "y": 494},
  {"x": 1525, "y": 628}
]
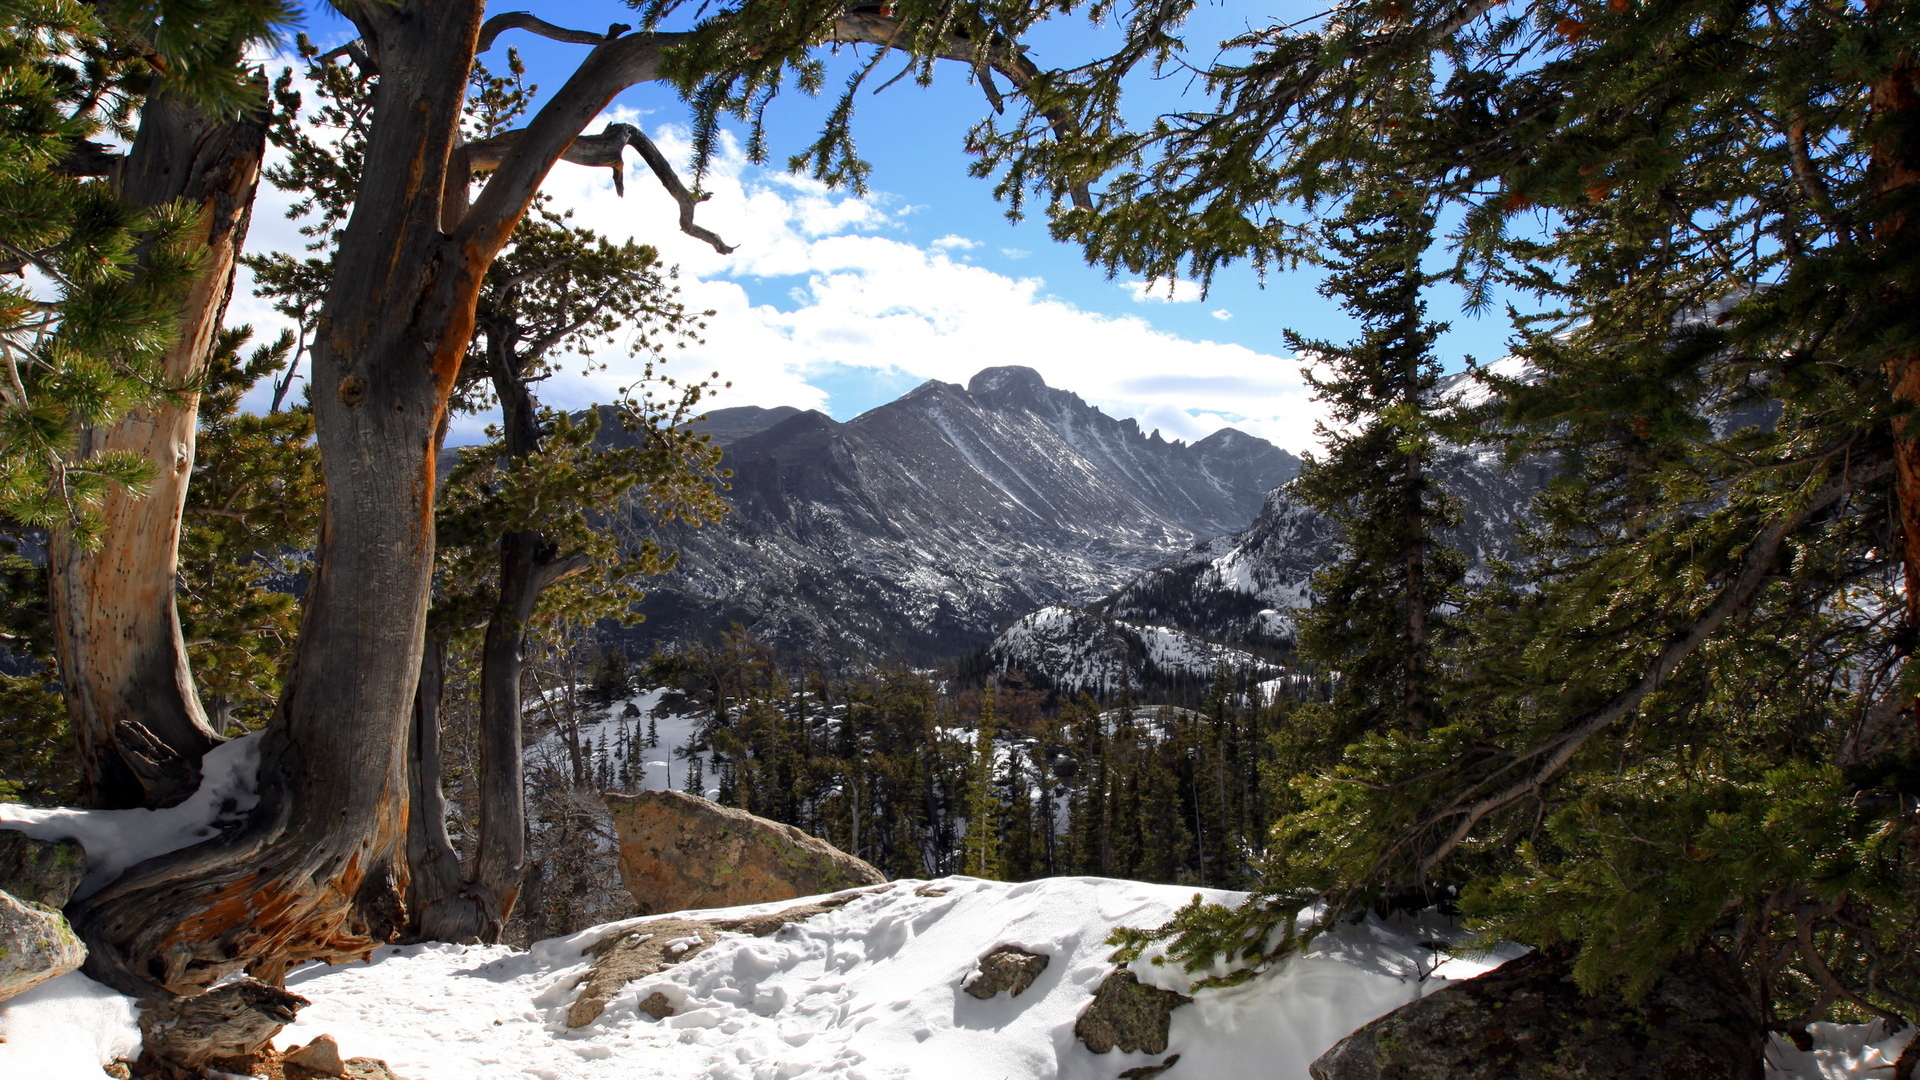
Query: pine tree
[
  {"x": 1378, "y": 618},
  {"x": 696, "y": 777},
  {"x": 983, "y": 803}
]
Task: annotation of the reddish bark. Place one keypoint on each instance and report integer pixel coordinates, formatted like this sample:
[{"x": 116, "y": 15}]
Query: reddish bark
[{"x": 123, "y": 664}]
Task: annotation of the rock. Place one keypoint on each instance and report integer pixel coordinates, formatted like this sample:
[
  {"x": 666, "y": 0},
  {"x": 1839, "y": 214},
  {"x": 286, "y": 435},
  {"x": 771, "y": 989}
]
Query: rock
[
  {"x": 1527, "y": 1018},
  {"x": 363, "y": 1068},
  {"x": 40, "y": 871},
  {"x": 680, "y": 851},
  {"x": 181, "y": 1034},
  {"x": 36, "y": 944},
  {"x": 1148, "y": 1072},
  {"x": 1007, "y": 967},
  {"x": 322, "y": 1056},
  {"x": 639, "y": 952},
  {"x": 1128, "y": 1015},
  {"x": 662, "y": 943}
]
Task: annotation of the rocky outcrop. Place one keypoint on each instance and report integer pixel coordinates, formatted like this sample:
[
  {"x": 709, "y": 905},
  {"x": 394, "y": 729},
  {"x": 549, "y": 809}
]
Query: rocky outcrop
[
  {"x": 639, "y": 952},
  {"x": 658, "y": 944},
  {"x": 1127, "y": 1015},
  {"x": 1528, "y": 1019},
  {"x": 40, "y": 871},
  {"x": 1005, "y": 968},
  {"x": 181, "y": 1035},
  {"x": 681, "y": 851},
  {"x": 36, "y": 944}
]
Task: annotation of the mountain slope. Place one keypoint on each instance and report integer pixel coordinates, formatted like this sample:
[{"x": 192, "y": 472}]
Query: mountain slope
[
  {"x": 914, "y": 530},
  {"x": 1245, "y": 587}
]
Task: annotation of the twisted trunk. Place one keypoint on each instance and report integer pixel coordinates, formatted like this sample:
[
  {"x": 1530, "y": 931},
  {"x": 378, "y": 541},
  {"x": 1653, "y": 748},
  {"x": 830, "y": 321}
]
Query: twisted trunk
[
  {"x": 123, "y": 664},
  {"x": 319, "y": 869}
]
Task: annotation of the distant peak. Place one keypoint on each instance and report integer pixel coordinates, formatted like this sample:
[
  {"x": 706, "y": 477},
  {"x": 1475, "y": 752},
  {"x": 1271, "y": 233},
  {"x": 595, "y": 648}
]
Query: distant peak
[{"x": 1003, "y": 379}]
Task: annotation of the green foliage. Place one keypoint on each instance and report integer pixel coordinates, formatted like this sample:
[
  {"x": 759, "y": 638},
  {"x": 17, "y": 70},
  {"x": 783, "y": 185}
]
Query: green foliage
[
  {"x": 80, "y": 345},
  {"x": 1677, "y": 731},
  {"x": 36, "y": 746},
  {"x": 253, "y": 511},
  {"x": 982, "y": 857}
]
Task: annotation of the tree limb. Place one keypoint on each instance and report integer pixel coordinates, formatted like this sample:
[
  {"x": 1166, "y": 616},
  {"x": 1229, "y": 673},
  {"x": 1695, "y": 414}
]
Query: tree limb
[
  {"x": 604, "y": 150},
  {"x": 533, "y": 24},
  {"x": 1554, "y": 754}
]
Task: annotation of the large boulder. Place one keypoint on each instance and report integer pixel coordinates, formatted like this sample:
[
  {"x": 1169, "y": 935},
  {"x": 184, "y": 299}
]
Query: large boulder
[
  {"x": 681, "y": 851},
  {"x": 36, "y": 944},
  {"x": 40, "y": 871},
  {"x": 1527, "y": 1019}
]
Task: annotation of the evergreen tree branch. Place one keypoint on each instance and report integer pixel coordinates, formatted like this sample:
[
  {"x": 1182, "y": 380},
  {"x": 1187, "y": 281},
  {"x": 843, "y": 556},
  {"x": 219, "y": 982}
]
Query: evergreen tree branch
[{"x": 1553, "y": 755}]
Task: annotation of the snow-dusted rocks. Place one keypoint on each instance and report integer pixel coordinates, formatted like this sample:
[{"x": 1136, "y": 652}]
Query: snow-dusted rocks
[
  {"x": 1006, "y": 969},
  {"x": 40, "y": 871},
  {"x": 1127, "y": 1015},
  {"x": 37, "y": 877},
  {"x": 681, "y": 851}
]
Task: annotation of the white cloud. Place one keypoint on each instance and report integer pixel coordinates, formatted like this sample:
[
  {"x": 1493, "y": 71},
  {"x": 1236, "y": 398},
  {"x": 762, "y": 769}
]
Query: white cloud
[
  {"x": 1221, "y": 313},
  {"x": 1162, "y": 291},
  {"x": 851, "y": 293}
]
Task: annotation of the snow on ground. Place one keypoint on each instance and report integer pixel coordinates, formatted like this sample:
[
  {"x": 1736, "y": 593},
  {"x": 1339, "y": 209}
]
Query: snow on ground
[{"x": 871, "y": 990}]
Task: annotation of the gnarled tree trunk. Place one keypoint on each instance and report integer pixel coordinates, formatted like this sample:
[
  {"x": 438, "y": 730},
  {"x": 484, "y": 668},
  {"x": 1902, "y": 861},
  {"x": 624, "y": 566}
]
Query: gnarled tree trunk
[
  {"x": 123, "y": 664},
  {"x": 319, "y": 870}
]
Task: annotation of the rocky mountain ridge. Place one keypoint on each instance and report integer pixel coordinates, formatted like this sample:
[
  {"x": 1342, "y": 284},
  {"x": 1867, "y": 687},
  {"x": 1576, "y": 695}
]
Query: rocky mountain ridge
[
  {"x": 914, "y": 531},
  {"x": 1245, "y": 588}
]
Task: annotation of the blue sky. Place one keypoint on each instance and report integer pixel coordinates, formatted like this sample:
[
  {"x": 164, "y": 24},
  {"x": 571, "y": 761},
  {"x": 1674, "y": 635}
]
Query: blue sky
[{"x": 841, "y": 303}]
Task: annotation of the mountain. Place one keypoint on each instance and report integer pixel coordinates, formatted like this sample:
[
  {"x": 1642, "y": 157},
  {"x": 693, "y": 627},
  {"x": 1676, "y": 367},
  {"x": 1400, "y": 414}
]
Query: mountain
[
  {"x": 915, "y": 530},
  {"x": 1244, "y": 588}
]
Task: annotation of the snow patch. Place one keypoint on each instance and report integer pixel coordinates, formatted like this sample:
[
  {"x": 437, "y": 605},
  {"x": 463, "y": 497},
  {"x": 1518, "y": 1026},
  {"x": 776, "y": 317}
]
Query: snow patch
[{"x": 117, "y": 839}]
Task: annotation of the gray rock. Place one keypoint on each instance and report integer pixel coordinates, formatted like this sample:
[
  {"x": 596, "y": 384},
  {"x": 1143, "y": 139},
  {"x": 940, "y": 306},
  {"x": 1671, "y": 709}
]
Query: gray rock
[
  {"x": 679, "y": 852},
  {"x": 1528, "y": 1020},
  {"x": 1007, "y": 967},
  {"x": 36, "y": 944},
  {"x": 40, "y": 871},
  {"x": 1127, "y": 1015}
]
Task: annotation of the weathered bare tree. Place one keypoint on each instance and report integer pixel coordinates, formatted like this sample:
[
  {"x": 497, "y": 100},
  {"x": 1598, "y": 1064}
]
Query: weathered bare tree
[{"x": 318, "y": 870}]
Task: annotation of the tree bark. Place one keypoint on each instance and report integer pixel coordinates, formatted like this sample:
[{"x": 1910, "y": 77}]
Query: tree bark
[
  {"x": 123, "y": 664},
  {"x": 476, "y": 907},
  {"x": 1895, "y": 169},
  {"x": 319, "y": 870}
]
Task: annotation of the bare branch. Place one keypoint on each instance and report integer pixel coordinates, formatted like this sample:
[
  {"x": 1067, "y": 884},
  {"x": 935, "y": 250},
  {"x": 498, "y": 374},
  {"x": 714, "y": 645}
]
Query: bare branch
[
  {"x": 355, "y": 51},
  {"x": 533, "y": 24},
  {"x": 604, "y": 151}
]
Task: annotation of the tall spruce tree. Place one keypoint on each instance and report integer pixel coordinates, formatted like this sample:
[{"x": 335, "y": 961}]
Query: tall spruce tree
[{"x": 1378, "y": 613}]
